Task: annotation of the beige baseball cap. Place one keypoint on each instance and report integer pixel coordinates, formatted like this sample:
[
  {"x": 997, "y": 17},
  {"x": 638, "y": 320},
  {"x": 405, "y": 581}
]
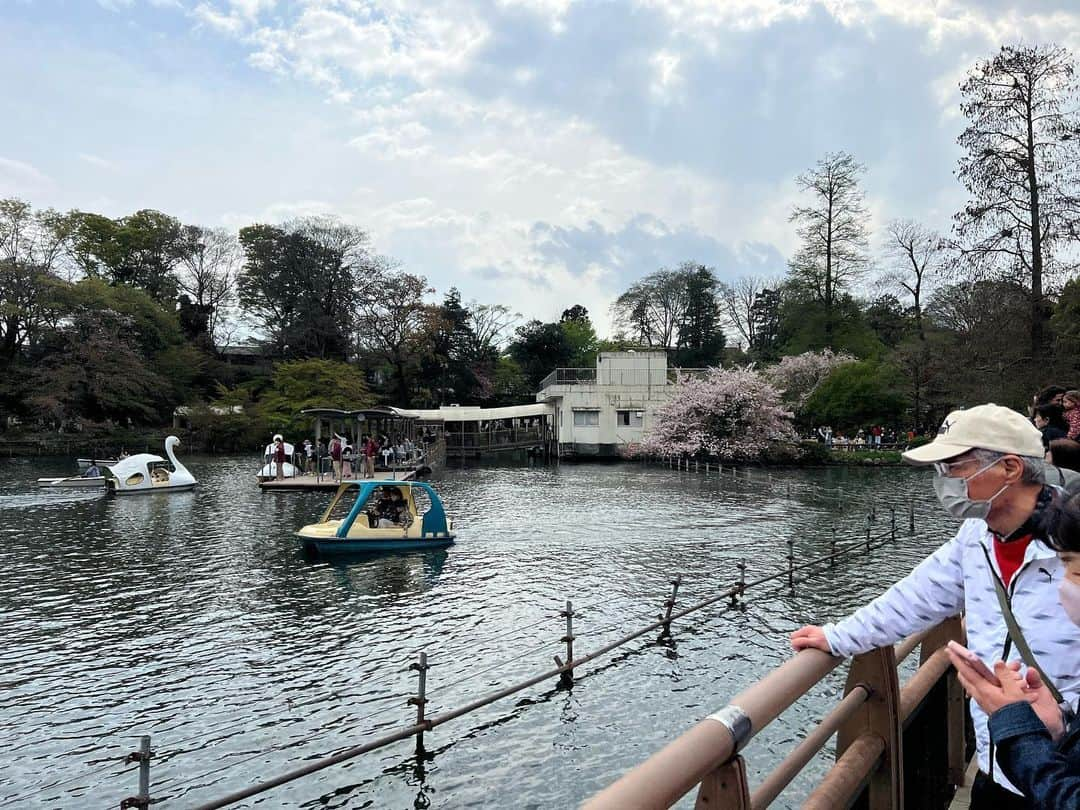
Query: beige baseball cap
[{"x": 987, "y": 427}]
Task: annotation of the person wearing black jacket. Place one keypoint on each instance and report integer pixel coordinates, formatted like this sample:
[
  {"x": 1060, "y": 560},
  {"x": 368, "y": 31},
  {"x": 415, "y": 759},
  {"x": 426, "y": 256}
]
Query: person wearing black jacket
[{"x": 1038, "y": 744}]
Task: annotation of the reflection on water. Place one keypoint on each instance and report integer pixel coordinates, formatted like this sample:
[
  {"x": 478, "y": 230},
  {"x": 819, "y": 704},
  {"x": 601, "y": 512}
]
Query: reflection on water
[{"x": 195, "y": 618}]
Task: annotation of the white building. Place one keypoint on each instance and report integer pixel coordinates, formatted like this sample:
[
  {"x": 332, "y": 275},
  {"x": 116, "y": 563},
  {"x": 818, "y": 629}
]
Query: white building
[{"x": 603, "y": 411}]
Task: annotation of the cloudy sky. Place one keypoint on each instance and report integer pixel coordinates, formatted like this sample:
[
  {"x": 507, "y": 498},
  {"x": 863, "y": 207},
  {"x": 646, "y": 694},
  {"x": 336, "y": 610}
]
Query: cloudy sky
[{"x": 538, "y": 153}]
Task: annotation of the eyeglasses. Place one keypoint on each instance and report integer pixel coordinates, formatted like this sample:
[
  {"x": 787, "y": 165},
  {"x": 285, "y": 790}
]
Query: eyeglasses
[{"x": 942, "y": 467}]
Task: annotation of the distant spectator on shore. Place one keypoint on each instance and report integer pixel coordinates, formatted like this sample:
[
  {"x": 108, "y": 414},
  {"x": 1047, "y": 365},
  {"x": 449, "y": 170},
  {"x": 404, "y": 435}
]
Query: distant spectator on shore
[
  {"x": 1051, "y": 395},
  {"x": 335, "y": 455},
  {"x": 876, "y": 432},
  {"x": 1050, "y": 420},
  {"x": 1071, "y": 404}
]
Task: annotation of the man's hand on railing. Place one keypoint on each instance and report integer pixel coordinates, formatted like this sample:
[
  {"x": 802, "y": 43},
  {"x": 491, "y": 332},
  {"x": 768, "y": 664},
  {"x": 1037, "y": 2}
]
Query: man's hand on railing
[{"x": 810, "y": 637}]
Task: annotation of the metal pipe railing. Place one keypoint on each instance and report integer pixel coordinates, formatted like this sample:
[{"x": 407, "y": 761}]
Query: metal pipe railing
[
  {"x": 677, "y": 768},
  {"x": 793, "y": 763},
  {"x": 766, "y": 699},
  {"x": 711, "y": 747}
]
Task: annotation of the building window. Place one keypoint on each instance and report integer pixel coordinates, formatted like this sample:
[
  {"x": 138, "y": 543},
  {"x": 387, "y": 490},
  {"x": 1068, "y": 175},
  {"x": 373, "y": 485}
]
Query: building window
[
  {"x": 586, "y": 418},
  {"x": 629, "y": 418}
]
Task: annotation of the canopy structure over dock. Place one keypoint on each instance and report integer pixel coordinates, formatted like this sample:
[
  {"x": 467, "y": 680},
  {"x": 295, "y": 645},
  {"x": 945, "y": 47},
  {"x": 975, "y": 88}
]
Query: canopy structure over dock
[{"x": 473, "y": 431}]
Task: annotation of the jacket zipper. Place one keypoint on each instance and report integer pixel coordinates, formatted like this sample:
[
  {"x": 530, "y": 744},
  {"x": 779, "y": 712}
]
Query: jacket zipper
[{"x": 1007, "y": 646}]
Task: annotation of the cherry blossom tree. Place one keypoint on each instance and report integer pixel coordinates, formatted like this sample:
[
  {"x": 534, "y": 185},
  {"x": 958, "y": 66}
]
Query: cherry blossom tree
[
  {"x": 727, "y": 414},
  {"x": 798, "y": 375}
]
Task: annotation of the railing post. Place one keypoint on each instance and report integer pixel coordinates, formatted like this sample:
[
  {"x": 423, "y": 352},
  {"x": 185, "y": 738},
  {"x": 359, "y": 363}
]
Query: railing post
[
  {"x": 950, "y": 630},
  {"x": 140, "y": 800},
  {"x": 726, "y": 788},
  {"x": 669, "y": 604},
  {"x": 878, "y": 717},
  {"x": 568, "y": 676},
  {"x": 741, "y": 587},
  {"x": 420, "y": 701},
  {"x": 791, "y": 564}
]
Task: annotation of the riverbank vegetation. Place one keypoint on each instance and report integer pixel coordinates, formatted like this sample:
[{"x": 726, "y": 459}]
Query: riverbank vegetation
[{"x": 115, "y": 322}]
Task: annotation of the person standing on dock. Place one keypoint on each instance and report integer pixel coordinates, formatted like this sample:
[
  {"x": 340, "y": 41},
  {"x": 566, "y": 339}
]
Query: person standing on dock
[
  {"x": 335, "y": 456},
  {"x": 998, "y": 570},
  {"x": 279, "y": 457}
]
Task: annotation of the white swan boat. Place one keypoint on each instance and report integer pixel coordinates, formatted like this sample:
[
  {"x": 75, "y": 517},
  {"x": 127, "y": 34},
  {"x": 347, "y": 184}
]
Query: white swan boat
[
  {"x": 146, "y": 472},
  {"x": 269, "y": 470}
]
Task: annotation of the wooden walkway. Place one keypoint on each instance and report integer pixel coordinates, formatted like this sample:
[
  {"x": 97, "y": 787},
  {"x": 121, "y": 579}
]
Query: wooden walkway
[
  {"x": 328, "y": 483},
  {"x": 962, "y": 798}
]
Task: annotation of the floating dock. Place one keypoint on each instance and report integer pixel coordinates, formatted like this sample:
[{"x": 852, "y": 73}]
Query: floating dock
[{"x": 328, "y": 483}]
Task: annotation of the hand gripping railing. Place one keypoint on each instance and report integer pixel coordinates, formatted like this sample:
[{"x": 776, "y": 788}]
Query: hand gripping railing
[{"x": 869, "y": 723}]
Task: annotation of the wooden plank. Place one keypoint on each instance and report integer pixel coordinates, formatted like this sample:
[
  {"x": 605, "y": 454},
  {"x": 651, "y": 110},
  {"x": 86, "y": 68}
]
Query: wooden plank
[
  {"x": 962, "y": 797},
  {"x": 327, "y": 483}
]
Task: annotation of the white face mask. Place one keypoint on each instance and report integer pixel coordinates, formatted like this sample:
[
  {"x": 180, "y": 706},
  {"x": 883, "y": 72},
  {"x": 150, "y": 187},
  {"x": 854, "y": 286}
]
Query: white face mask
[
  {"x": 953, "y": 494},
  {"x": 1069, "y": 594}
]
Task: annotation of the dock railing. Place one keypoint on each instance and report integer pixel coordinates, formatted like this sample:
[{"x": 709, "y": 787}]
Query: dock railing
[{"x": 880, "y": 726}]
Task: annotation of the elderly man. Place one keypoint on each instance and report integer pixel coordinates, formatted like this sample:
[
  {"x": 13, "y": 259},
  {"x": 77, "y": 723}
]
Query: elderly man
[{"x": 990, "y": 473}]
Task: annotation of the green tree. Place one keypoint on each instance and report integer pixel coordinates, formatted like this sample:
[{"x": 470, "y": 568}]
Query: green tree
[
  {"x": 538, "y": 349},
  {"x": 701, "y": 337},
  {"x": 141, "y": 250},
  {"x": 580, "y": 335},
  {"x": 314, "y": 383},
  {"x": 833, "y": 231},
  {"x": 856, "y": 395},
  {"x": 300, "y": 284},
  {"x": 114, "y": 353}
]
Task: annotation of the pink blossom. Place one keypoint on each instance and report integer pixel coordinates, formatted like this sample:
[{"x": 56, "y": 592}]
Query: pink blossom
[
  {"x": 798, "y": 375},
  {"x": 726, "y": 414}
]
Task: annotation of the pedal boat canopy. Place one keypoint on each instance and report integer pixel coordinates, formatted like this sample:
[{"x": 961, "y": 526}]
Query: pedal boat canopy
[{"x": 350, "y": 524}]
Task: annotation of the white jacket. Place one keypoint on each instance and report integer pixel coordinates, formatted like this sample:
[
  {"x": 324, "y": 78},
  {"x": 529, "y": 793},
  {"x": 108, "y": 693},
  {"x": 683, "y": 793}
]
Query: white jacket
[{"x": 957, "y": 578}]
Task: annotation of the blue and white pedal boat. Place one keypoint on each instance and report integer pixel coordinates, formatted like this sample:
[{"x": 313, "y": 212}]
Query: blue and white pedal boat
[{"x": 356, "y": 522}]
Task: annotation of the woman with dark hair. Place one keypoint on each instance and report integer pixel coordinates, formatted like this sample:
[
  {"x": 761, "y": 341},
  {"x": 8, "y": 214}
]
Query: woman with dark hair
[
  {"x": 1050, "y": 419},
  {"x": 1038, "y": 748}
]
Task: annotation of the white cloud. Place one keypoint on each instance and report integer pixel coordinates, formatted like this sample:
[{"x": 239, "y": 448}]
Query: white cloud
[
  {"x": 18, "y": 178},
  {"x": 94, "y": 160}
]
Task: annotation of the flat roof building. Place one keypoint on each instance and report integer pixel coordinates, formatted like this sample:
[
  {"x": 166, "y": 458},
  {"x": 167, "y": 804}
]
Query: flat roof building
[{"x": 604, "y": 411}]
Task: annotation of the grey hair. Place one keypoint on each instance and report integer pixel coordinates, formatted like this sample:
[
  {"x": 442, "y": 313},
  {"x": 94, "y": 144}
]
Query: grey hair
[{"x": 1034, "y": 467}]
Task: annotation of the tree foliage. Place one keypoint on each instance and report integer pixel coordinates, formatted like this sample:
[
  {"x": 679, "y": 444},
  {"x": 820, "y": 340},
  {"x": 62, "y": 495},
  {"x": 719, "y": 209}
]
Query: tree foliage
[
  {"x": 314, "y": 383},
  {"x": 1021, "y": 168},
  {"x": 832, "y": 228},
  {"x": 726, "y": 414}
]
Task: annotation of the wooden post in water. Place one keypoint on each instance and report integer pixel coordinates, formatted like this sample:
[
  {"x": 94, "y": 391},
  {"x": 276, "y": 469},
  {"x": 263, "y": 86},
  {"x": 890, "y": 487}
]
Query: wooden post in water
[
  {"x": 791, "y": 564},
  {"x": 141, "y": 799},
  {"x": 911, "y": 517},
  {"x": 832, "y": 547},
  {"x": 869, "y": 520},
  {"x": 669, "y": 604},
  {"x": 420, "y": 701},
  {"x": 741, "y": 589},
  {"x": 568, "y": 676},
  {"x": 892, "y": 523}
]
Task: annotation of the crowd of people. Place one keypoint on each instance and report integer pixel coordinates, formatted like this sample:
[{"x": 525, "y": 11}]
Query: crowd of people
[
  {"x": 341, "y": 458},
  {"x": 1013, "y": 570}
]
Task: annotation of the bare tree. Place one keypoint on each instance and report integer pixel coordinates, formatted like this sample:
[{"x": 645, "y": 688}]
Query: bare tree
[
  {"x": 394, "y": 323},
  {"x": 737, "y": 303},
  {"x": 652, "y": 309},
  {"x": 32, "y": 244},
  {"x": 1021, "y": 169},
  {"x": 916, "y": 258},
  {"x": 492, "y": 325},
  {"x": 833, "y": 230},
  {"x": 210, "y": 260}
]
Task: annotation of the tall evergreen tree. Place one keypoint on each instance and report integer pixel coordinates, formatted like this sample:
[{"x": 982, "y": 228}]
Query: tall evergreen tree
[{"x": 1021, "y": 168}]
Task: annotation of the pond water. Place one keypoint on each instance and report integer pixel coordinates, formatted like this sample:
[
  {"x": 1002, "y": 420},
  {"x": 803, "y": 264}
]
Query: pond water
[{"x": 195, "y": 618}]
